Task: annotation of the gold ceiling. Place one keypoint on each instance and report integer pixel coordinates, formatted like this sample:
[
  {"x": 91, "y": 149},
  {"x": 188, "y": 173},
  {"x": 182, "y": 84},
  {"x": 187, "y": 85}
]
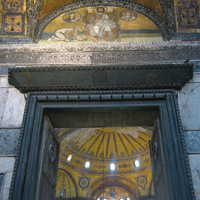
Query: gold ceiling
[
  {"x": 50, "y": 5},
  {"x": 106, "y": 144},
  {"x": 100, "y": 23},
  {"x": 121, "y": 146}
]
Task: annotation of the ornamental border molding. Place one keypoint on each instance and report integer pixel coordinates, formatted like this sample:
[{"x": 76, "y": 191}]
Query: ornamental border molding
[
  {"x": 104, "y": 67},
  {"x": 168, "y": 9},
  {"x": 98, "y": 47}
]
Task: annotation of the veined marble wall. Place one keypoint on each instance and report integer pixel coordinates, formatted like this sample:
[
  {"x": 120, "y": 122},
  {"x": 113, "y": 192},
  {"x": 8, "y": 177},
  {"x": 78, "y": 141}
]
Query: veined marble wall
[
  {"x": 189, "y": 105},
  {"x": 12, "y": 104}
]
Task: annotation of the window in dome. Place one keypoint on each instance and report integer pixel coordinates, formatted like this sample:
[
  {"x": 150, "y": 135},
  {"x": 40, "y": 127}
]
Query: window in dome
[
  {"x": 69, "y": 158},
  {"x": 112, "y": 167},
  {"x": 87, "y": 164},
  {"x": 137, "y": 163}
]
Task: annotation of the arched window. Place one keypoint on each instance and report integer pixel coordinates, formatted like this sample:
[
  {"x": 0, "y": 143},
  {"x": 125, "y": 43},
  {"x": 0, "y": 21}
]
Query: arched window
[{"x": 63, "y": 193}]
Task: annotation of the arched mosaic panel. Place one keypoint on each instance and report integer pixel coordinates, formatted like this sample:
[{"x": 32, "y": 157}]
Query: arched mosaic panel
[{"x": 107, "y": 21}]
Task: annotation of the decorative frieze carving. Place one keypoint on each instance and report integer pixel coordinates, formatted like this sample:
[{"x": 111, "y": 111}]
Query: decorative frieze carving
[
  {"x": 97, "y": 58},
  {"x": 101, "y": 53},
  {"x": 47, "y": 58},
  {"x": 141, "y": 57},
  {"x": 101, "y": 46}
]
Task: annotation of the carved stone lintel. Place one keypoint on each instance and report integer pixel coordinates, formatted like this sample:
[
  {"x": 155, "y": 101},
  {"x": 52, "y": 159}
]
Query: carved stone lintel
[
  {"x": 98, "y": 58},
  {"x": 98, "y": 53}
]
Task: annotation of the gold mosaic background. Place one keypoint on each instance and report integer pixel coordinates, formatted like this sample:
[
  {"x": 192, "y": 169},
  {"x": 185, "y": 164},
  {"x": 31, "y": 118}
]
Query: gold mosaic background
[
  {"x": 101, "y": 146},
  {"x": 14, "y": 19},
  {"x": 121, "y": 25}
]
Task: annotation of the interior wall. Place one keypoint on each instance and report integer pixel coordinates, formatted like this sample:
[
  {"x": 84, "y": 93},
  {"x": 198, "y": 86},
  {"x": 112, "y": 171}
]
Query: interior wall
[
  {"x": 189, "y": 106},
  {"x": 18, "y": 25},
  {"x": 12, "y": 105},
  {"x": 20, "y": 20}
]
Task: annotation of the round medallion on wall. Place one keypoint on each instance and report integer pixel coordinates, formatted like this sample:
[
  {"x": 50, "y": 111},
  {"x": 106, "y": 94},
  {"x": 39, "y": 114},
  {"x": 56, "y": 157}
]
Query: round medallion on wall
[
  {"x": 83, "y": 182},
  {"x": 72, "y": 17},
  {"x": 142, "y": 181},
  {"x": 128, "y": 15}
]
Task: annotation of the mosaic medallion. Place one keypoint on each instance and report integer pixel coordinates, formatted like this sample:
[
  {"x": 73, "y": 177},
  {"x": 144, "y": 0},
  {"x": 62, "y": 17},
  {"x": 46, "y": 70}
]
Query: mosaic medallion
[
  {"x": 128, "y": 15},
  {"x": 142, "y": 181},
  {"x": 13, "y": 24},
  {"x": 72, "y": 17},
  {"x": 12, "y": 5},
  {"x": 83, "y": 182}
]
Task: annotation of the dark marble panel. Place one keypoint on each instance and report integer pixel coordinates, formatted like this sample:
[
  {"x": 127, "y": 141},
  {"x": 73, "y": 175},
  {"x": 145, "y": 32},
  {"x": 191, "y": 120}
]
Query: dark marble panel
[
  {"x": 101, "y": 77},
  {"x": 1, "y": 182},
  {"x": 192, "y": 139},
  {"x": 9, "y": 141}
]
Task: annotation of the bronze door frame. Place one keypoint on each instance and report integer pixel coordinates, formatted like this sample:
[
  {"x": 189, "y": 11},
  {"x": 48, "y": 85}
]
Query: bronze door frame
[{"x": 161, "y": 103}]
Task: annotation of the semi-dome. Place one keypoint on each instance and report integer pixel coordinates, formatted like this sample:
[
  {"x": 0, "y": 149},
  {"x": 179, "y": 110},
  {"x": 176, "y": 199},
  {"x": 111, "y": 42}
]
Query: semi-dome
[
  {"x": 102, "y": 146},
  {"x": 105, "y": 163}
]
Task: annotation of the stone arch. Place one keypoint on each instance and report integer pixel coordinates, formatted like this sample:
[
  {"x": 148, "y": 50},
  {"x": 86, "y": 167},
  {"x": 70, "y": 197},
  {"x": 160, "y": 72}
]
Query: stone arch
[
  {"x": 113, "y": 181},
  {"x": 148, "y": 12},
  {"x": 72, "y": 179}
]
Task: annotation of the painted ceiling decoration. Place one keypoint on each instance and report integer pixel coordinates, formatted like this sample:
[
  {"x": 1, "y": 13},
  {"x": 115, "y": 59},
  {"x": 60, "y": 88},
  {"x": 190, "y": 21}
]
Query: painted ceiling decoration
[
  {"x": 127, "y": 148},
  {"x": 81, "y": 20}
]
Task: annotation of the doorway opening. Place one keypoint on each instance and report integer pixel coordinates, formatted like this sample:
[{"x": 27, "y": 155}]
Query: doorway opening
[
  {"x": 105, "y": 163},
  {"x": 109, "y": 112}
]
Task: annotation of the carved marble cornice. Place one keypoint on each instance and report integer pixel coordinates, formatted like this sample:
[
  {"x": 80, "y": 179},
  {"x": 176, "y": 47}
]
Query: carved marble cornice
[
  {"x": 98, "y": 53},
  {"x": 96, "y": 47},
  {"x": 110, "y": 77}
]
